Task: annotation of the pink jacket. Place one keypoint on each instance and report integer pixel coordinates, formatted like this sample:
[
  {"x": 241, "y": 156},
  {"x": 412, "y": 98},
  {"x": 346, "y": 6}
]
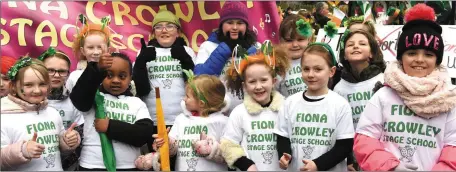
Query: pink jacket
[{"x": 372, "y": 156}]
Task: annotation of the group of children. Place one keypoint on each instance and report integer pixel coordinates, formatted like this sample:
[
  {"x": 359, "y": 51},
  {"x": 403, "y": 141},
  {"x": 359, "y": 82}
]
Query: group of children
[{"x": 237, "y": 104}]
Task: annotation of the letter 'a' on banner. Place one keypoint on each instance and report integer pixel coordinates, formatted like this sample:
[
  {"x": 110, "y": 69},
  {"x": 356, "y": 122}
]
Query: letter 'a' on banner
[{"x": 162, "y": 133}]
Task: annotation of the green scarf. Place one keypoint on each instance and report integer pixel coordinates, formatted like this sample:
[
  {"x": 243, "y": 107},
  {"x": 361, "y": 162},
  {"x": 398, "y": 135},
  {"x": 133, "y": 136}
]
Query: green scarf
[{"x": 109, "y": 157}]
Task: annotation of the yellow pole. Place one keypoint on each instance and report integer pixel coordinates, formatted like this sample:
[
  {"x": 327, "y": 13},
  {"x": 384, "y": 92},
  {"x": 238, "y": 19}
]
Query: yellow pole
[{"x": 162, "y": 133}]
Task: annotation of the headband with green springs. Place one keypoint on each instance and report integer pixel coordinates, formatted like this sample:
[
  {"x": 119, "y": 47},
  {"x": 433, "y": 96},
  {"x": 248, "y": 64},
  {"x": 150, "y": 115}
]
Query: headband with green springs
[
  {"x": 50, "y": 52},
  {"x": 23, "y": 62},
  {"x": 190, "y": 78},
  {"x": 328, "y": 48}
]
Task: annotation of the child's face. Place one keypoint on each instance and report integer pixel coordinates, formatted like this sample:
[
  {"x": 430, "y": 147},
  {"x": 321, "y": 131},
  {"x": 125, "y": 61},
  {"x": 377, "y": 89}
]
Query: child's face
[
  {"x": 118, "y": 77},
  {"x": 94, "y": 46},
  {"x": 34, "y": 88},
  {"x": 166, "y": 33},
  {"x": 295, "y": 47},
  {"x": 4, "y": 85},
  {"x": 259, "y": 83},
  {"x": 234, "y": 26},
  {"x": 192, "y": 103},
  {"x": 316, "y": 73},
  {"x": 357, "y": 49},
  {"x": 58, "y": 71},
  {"x": 419, "y": 63}
]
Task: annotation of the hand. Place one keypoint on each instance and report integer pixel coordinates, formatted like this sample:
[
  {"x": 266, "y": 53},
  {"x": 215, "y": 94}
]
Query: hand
[
  {"x": 105, "y": 61},
  {"x": 158, "y": 142},
  {"x": 146, "y": 53},
  {"x": 70, "y": 137},
  {"x": 32, "y": 148},
  {"x": 252, "y": 168},
  {"x": 284, "y": 161},
  {"x": 309, "y": 165},
  {"x": 101, "y": 125},
  {"x": 179, "y": 53},
  {"x": 406, "y": 167},
  {"x": 350, "y": 167},
  {"x": 203, "y": 146}
]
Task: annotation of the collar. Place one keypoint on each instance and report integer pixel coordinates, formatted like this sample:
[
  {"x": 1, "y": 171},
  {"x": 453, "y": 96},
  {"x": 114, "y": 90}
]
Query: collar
[
  {"x": 126, "y": 93},
  {"x": 12, "y": 104},
  {"x": 255, "y": 108},
  {"x": 58, "y": 94},
  {"x": 178, "y": 42},
  {"x": 368, "y": 73}
]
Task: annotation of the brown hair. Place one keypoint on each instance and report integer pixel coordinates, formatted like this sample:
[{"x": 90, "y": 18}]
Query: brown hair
[
  {"x": 318, "y": 50},
  {"x": 213, "y": 91},
  {"x": 36, "y": 65},
  {"x": 235, "y": 80},
  {"x": 370, "y": 26},
  {"x": 287, "y": 29},
  {"x": 377, "y": 55},
  {"x": 79, "y": 41}
]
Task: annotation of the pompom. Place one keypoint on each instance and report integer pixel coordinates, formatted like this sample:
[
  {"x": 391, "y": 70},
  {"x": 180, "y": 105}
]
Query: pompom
[
  {"x": 330, "y": 29},
  {"x": 6, "y": 63},
  {"x": 304, "y": 28},
  {"x": 420, "y": 12}
]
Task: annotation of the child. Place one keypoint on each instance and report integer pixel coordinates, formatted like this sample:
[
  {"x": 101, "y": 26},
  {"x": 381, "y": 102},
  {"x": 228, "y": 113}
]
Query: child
[
  {"x": 160, "y": 64},
  {"x": 294, "y": 39},
  {"x": 214, "y": 54},
  {"x": 315, "y": 129},
  {"x": 410, "y": 124},
  {"x": 248, "y": 142},
  {"x": 88, "y": 46},
  {"x": 32, "y": 132},
  {"x": 58, "y": 66},
  {"x": 202, "y": 114},
  {"x": 357, "y": 23},
  {"x": 6, "y": 63},
  {"x": 128, "y": 122},
  {"x": 363, "y": 67}
]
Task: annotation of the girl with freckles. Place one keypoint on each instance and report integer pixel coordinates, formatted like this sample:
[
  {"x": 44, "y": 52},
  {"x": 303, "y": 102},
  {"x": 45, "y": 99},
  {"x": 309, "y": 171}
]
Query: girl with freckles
[
  {"x": 416, "y": 96},
  {"x": 33, "y": 135}
]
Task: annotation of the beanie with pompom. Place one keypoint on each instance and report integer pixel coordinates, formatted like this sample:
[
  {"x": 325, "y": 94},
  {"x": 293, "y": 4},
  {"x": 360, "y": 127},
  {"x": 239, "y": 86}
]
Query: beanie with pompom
[{"x": 421, "y": 32}]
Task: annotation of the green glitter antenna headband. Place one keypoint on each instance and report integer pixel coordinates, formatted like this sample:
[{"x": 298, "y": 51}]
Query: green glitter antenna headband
[
  {"x": 23, "y": 62},
  {"x": 50, "y": 52},
  {"x": 191, "y": 76}
]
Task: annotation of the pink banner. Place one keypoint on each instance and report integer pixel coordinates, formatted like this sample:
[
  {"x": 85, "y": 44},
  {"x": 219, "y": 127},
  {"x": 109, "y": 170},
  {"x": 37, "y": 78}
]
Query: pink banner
[{"x": 32, "y": 26}]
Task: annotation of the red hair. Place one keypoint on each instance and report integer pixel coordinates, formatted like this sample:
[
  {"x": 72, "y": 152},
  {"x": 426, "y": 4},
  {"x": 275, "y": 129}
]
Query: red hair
[{"x": 7, "y": 63}]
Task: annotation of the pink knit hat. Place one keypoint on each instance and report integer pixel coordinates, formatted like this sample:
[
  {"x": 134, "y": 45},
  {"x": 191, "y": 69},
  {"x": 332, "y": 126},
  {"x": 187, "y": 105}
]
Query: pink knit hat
[{"x": 234, "y": 10}]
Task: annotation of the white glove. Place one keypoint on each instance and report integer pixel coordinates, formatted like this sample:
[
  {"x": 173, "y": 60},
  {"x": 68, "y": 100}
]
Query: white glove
[{"x": 406, "y": 167}]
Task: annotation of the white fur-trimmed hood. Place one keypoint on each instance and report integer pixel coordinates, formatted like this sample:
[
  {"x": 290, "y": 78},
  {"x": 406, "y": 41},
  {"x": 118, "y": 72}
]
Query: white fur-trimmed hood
[{"x": 255, "y": 108}]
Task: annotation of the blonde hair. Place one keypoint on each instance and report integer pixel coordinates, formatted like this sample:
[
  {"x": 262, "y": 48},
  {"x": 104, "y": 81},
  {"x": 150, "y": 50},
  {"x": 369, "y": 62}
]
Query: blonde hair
[
  {"x": 36, "y": 65},
  {"x": 213, "y": 91},
  {"x": 281, "y": 67}
]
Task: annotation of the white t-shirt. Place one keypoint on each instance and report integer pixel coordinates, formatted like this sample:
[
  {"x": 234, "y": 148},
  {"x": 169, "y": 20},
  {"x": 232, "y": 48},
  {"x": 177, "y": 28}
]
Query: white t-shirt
[
  {"x": 124, "y": 108},
  {"x": 357, "y": 94},
  {"x": 412, "y": 139},
  {"x": 293, "y": 82},
  {"x": 67, "y": 111},
  {"x": 187, "y": 128},
  {"x": 73, "y": 78},
  {"x": 166, "y": 73},
  {"x": 255, "y": 134},
  {"x": 314, "y": 127},
  {"x": 48, "y": 126}
]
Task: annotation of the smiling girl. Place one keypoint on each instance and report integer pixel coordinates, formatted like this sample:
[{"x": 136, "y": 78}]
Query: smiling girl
[
  {"x": 315, "y": 130},
  {"x": 390, "y": 133},
  {"x": 33, "y": 134},
  {"x": 257, "y": 115},
  {"x": 127, "y": 122},
  {"x": 58, "y": 66}
]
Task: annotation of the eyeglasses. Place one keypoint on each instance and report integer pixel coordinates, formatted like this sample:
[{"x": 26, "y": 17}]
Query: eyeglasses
[
  {"x": 52, "y": 72},
  {"x": 168, "y": 28}
]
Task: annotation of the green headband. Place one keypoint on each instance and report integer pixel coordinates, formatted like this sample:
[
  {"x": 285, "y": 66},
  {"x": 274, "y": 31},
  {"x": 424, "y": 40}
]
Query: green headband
[
  {"x": 328, "y": 48},
  {"x": 50, "y": 52},
  {"x": 190, "y": 78},
  {"x": 23, "y": 62}
]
